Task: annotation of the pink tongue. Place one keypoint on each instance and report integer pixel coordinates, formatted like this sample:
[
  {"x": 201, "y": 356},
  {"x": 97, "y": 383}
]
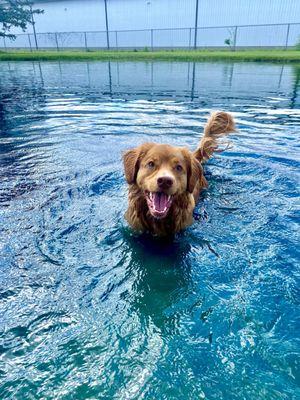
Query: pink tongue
[{"x": 160, "y": 201}]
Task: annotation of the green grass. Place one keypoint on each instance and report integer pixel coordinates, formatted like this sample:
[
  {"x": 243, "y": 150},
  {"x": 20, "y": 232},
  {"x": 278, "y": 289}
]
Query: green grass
[{"x": 167, "y": 55}]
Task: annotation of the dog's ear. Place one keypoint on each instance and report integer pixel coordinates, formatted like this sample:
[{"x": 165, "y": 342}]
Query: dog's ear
[
  {"x": 131, "y": 161},
  {"x": 194, "y": 172}
]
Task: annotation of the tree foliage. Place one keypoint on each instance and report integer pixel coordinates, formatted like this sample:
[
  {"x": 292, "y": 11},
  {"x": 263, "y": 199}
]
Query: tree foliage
[{"x": 16, "y": 14}]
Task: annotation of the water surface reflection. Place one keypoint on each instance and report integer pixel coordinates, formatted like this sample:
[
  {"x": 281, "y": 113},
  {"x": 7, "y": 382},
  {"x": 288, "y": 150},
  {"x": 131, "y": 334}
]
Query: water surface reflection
[{"x": 89, "y": 309}]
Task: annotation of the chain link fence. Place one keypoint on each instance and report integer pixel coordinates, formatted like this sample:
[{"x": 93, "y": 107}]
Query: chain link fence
[{"x": 232, "y": 37}]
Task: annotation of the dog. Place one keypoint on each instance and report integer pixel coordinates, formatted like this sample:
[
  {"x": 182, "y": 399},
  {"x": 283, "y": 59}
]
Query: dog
[{"x": 165, "y": 181}]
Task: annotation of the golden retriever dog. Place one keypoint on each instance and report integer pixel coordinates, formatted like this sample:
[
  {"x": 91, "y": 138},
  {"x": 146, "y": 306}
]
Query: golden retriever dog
[{"x": 165, "y": 181}]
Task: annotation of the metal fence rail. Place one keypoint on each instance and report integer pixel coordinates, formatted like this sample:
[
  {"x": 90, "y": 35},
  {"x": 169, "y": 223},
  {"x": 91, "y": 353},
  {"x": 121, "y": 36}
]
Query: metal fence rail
[{"x": 233, "y": 37}]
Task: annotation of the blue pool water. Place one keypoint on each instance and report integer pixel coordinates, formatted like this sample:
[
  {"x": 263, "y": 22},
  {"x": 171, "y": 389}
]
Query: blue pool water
[{"x": 89, "y": 310}]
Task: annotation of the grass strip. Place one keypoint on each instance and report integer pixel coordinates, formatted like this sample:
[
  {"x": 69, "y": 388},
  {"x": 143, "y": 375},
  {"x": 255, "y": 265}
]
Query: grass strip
[{"x": 166, "y": 55}]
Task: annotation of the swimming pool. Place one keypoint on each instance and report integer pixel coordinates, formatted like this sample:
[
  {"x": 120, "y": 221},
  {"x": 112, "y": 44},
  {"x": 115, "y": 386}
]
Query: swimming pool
[{"x": 88, "y": 309}]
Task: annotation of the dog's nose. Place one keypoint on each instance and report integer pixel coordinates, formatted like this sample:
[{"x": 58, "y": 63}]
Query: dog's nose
[{"x": 164, "y": 182}]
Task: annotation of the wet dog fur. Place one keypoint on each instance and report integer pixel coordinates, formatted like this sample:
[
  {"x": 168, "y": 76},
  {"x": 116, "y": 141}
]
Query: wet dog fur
[{"x": 165, "y": 181}]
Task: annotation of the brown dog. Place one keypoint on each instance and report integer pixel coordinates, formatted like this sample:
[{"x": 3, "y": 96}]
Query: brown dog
[{"x": 165, "y": 181}]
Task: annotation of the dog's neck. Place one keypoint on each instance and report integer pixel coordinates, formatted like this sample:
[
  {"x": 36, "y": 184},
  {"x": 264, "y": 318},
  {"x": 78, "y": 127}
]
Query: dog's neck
[{"x": 179, "y": 216}]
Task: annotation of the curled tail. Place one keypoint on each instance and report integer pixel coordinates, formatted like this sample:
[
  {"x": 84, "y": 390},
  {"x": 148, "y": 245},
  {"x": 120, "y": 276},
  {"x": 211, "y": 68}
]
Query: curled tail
[{"x": 218, "y": 125}]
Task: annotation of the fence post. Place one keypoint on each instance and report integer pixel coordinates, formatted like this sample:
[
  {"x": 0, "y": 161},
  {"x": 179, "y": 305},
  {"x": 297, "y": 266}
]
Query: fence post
[
  {"x": 57, "y": 48},
  {"x": 190, "y": 38},
  {"x": 234, "y": 38},
  {"x": 196, "y": 25},
  {"x": 106, "y": 23},
  {"x": 151, "y": 39},
  {"x": 29, "y": 42},
  {"x": 287, "y": 36},
  {"x": 33, "y": 27},
  {"x": 117, "y": 40},
  {"x": 85, "y": 41}
]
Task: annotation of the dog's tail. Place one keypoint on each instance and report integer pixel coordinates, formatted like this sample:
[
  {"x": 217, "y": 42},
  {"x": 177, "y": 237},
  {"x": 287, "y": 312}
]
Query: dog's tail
[{"x": 218, "y": 125}]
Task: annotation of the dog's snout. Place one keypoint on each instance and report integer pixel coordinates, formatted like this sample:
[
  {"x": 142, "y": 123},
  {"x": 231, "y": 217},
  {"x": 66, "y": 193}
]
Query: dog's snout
[{"x": 164, "y": 182}]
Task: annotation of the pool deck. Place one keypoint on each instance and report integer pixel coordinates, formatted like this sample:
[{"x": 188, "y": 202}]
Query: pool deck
[{"x": 167, "y": 55}]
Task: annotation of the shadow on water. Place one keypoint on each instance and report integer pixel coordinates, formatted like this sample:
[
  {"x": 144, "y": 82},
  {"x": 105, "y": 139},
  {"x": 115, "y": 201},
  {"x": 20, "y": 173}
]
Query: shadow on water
[{"x": 163, "y": 278}]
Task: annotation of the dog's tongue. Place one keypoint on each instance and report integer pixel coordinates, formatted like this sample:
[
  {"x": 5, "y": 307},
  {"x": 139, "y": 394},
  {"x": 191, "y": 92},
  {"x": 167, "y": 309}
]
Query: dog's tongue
[{"x": 160, "y": 201}]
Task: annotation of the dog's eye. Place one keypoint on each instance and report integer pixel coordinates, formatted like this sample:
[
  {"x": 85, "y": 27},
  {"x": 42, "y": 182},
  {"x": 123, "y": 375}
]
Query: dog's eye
[
  {"x": 178, "y": 168},
  {"x": 150, "y": 164}
]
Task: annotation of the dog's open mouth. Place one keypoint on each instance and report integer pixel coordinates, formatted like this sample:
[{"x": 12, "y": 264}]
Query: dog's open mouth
[{"x": 159, "y": 203}]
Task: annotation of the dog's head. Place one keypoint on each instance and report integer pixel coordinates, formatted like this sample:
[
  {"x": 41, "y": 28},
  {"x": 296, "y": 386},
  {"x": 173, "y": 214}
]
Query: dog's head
[{"x": 162, "y": 173}]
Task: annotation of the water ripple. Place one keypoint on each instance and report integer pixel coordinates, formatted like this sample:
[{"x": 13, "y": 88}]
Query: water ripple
[{"x": 91, "y": 310}]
